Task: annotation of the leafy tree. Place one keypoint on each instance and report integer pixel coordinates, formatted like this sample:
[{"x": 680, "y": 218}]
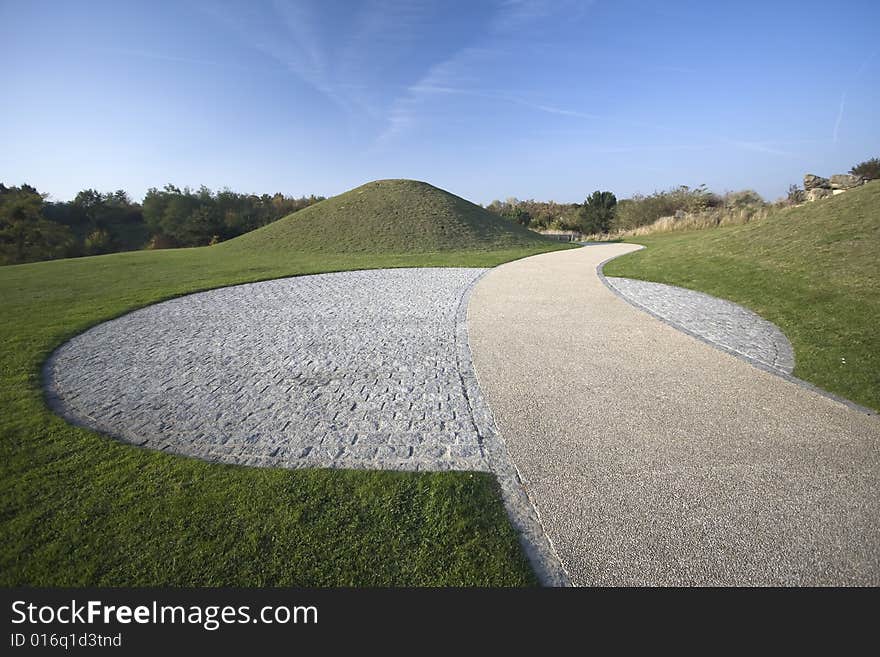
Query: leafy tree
[
  {"x": 537, "y": 215},
  {"x": 513, "y": 210},
  {"x": 597, "y": 212},
  {"x": 168, "y": 214},
  {"x": 183, "y": 217},
  {"x": 869, "y": 169},
  {"x": 25, "y": 235},
  {"x": 522, "y": 217},
  {"x": 107, "y": 222},
  {"x": 201, "y": 226},
  {"x": 95, "y": 222},
  {"x": 88, "y": 207}
]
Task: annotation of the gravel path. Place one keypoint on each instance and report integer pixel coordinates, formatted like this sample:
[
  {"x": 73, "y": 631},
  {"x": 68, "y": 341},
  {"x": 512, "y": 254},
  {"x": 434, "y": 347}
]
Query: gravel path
[
  {"x": 654, "y": 458},
  {"x": 717, "y": 321},
  {"x": 355, "y": 369}
]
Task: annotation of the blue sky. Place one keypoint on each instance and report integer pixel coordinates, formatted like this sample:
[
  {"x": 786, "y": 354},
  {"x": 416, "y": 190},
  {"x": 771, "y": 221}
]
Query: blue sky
[{"x": 488, "y": 99}]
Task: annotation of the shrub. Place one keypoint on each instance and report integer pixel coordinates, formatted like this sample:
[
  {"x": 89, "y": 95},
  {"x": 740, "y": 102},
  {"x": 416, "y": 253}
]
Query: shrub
[
  {"x": 160, "y": 241},
  {"x": 743, "y": 199},
  {"x": 538, "y": 215},
  {"x": 796, "y": 195},
  {"x": 707, "y": 210},
  {"x": 869, "y": 169},
  {"x": 643, "y": 210},
  {"x": 97, "y": 242}
]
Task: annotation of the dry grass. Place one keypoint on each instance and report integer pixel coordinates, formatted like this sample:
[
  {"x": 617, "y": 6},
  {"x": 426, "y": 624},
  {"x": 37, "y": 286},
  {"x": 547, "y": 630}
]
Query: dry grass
[{"x": 711, "y": 218}]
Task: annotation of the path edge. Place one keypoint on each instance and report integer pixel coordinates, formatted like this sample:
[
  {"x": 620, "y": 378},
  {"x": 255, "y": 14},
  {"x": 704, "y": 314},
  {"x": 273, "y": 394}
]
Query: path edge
[
  {"x": 521, "y": 511},
  {"x": 755, "y": 363}
]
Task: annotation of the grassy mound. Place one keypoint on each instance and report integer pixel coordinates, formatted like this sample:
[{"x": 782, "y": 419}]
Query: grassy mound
[
  {"x": 389, "y": 216},
  {"x": 814, "y": 270}
]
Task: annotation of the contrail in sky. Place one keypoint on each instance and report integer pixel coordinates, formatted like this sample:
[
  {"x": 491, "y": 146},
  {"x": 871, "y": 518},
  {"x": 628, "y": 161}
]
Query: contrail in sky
[{"x": 839, "y": 116}]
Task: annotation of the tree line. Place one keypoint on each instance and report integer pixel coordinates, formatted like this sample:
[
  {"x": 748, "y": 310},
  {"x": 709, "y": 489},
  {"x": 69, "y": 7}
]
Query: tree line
[
  {"x": 34, "y": 228},
  {"x": 601, "y": 213},
  {"x": 594, "y": 215}
]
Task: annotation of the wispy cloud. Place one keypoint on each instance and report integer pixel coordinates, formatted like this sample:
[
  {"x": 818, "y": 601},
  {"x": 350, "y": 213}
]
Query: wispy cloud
[
  {"x": 514, "y": 14},
  {"x": 769, "y": 148},
  {"x": 839, "y": 117},
  {"x": 296, "y": 37},
  {"x": 865, "y": 64},
  {"x": 164, "y": 57},
  {"x": 561, "y": 112},
  {"x": 861, "y": 70},
  {"x": 296, "y": 45},
  {"x": 378, "y": 35},
  {"x": 443, "y": 78},
  {"x": 404, "y": 113},
  {"x": 285, "y": 33},
  {"x": 302, "y": 52},
  {"x": 434, "y": 89},
  {"x": 457, "y": 75}
]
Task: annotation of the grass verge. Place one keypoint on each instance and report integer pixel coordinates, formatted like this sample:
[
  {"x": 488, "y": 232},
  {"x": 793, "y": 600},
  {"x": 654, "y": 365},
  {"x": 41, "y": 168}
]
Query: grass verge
[
  {"x": 814, "y": 270},
  {"x": 77, "y": 508}
]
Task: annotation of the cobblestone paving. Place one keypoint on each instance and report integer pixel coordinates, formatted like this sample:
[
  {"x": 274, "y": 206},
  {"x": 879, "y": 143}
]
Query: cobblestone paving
[
  {"x": 715, "y": 320},
  {"x": 356, "y": 369}
]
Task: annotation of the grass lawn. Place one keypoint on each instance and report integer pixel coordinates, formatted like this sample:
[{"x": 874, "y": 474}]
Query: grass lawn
[
  {"x": 813, "y": 270},
  {"x": 388, "y": 216},
  {"x": 80, "y": 509}
]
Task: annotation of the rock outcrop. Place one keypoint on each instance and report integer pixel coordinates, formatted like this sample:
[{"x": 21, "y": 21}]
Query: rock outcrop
[
  {"x": 812, "y": 181},
  {"x": 818, "y": 192},
  {"x": 817, "y": 187},
  {"x": 845, "y": 181}
]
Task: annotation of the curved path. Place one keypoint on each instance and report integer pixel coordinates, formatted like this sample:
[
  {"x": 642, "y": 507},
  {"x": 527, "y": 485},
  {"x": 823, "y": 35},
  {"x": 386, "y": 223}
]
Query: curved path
[{"x": 654, "y": 458}]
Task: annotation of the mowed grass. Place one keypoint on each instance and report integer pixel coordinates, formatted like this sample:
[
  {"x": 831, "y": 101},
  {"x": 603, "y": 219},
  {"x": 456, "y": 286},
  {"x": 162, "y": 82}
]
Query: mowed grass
[
  {"x": 78, "y": 508},
  {"x": 813, "y": 270},
  {"x": 389, "y": 216}
]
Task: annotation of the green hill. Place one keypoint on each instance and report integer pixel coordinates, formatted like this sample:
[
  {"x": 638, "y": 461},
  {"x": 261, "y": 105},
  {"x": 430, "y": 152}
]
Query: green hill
[
  {"x": 814, "y": 270},
  {"x": 389, "y": 216}
]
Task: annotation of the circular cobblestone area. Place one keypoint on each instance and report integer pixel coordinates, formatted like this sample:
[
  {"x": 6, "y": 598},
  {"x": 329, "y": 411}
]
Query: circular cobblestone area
[
  {"x": 355, "y": 369},
  {"x": 717, "y": 321}
]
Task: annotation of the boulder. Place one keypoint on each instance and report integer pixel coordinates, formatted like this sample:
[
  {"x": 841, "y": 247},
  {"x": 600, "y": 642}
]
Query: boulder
[
  {"x": 812, "y": 181},
  {"x": 818, "y": 192},
  {"x": 845, "y": 181}
]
